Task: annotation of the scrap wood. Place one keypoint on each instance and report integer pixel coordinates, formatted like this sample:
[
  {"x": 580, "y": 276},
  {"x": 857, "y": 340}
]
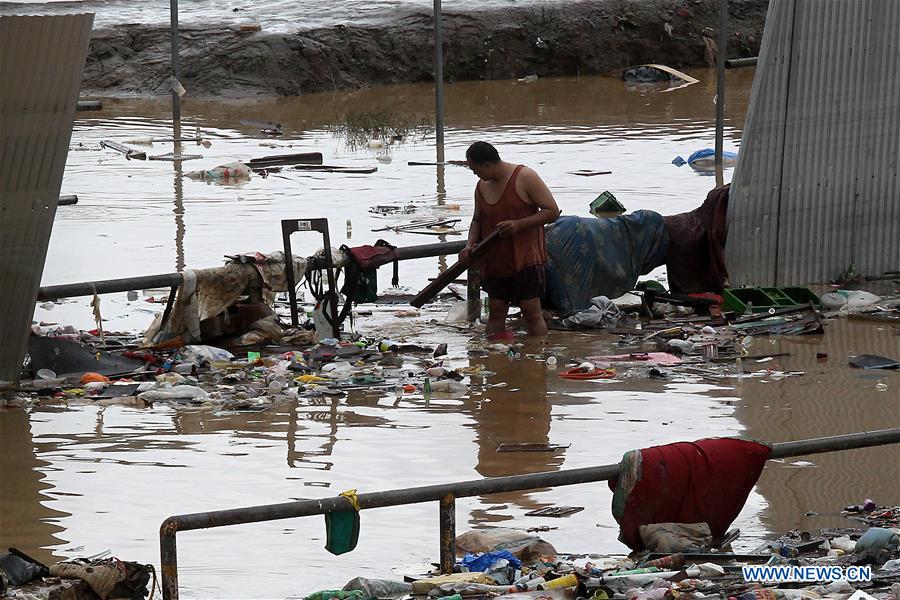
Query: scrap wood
[
  {"x": 873, "y": 361},
  {"x": 589, "y": 172},
  {"x": 445, "y": 278},
  {"x": 335, "y": 169},
  {"x": 151, "y": 141},
  {"x": 531, "y": 447},
  {"x": 123, "y": 149},
  {"x": 418, "y": 225},
  {"x": 310, "y": 158},
  {"x": 458, "y": 163},
  {"x": 172, "y": 157},
  {"x": 555, "y": 511}
]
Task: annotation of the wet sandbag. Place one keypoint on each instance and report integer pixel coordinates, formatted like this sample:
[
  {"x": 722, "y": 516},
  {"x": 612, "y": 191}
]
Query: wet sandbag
[
  {"x": 590, "y": 257},
  {"x": 524, "y": 546}
]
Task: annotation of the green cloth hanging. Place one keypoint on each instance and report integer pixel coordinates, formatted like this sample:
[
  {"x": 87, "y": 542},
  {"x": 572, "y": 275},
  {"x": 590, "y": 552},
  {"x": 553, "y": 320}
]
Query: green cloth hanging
[
  {"x": 367, "y": 287},
  {"x": 342, "y": 527}
]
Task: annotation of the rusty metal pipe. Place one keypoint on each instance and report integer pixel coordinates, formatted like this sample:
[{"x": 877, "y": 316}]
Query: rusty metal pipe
[
  {"x": 447, "y": 514},
  {"x": 447, "y": 493},
  {"x": 739, "y": 63}
]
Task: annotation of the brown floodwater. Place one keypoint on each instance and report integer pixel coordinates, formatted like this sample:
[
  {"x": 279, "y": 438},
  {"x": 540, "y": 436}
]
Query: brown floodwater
[{"x": 82, "y": 479}]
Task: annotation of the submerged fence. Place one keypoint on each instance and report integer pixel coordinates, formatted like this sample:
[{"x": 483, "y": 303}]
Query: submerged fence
[{"x": 446, "y": 495}]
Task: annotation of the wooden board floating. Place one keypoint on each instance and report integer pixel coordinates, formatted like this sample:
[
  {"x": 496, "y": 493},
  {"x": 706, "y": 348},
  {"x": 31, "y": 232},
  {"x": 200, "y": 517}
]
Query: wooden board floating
[
  {"x": 174, "y": 157},
  {"x": 531, "y": 447},
  {"x": 300, "y": 158},
  {"x": 589, "y": 173},
  {"x": 420, "y": 225},
  {"x": 335, "y": 169},
  {"x": 458, "y": 163},
  {"x": 130, "y": 153},
  {"x": 555, "y": 511}
]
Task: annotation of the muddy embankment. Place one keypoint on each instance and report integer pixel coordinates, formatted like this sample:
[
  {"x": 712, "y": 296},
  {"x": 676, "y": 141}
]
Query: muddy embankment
[{"x": 577, "y": 38}]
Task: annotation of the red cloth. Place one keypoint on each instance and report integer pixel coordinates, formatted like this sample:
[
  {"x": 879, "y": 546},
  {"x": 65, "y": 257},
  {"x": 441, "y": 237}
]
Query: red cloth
[
  {"x": 696, "y": 257},
  {"x": 706, "y": 481}
]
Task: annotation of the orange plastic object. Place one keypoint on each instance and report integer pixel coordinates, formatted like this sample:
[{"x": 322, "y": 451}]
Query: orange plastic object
[{"x": 90, "y": 377}]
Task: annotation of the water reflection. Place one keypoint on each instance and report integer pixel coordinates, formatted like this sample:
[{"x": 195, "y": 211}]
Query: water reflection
[
  {"x": 515, "y": 409},
  {"x": 26, "y": 519},
  {"x": 830, "y": 398}
]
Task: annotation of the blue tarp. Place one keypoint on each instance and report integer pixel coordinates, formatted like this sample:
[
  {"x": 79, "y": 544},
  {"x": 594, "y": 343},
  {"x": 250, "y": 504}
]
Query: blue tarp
[
  {"x": 589, "y": 257},
  {"x": 483, "y": 562},
  {"x": 705, "y": 159}
]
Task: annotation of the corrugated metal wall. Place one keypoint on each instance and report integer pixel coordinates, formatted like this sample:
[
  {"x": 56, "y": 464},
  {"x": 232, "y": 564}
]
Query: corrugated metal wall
[
  {"x": 816, "y": 187},
  {"x": 41, "y": 59}
]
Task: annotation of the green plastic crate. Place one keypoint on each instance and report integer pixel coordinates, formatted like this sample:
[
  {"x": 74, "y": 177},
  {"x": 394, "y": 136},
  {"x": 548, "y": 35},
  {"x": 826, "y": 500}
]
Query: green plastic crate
[
  {"x": 802, "y": 295},
  {"x": 779, "y": 297},
  {"x": 739, "y": 299},
  {"x": 762, "y": 299}
]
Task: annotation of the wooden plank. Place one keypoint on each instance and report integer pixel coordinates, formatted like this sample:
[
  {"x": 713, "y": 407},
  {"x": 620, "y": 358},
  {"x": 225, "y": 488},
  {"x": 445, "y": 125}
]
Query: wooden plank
[
  {"x": 447, "y": 277},
  {"x": 128, "y": 152},
  {"x": 308, "y": 158}
]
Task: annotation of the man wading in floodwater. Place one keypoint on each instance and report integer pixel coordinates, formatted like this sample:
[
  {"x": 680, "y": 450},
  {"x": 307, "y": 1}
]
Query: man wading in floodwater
[{"x": 514, "y": 200}]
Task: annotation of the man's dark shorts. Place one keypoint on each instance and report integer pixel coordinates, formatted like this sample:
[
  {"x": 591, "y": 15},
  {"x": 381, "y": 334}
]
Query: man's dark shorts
[{"x": 524, "y": 285}]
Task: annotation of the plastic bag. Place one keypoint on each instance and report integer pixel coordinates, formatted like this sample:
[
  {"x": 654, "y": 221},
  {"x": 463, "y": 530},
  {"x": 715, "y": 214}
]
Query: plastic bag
[
  {"x": 601, "y": 313},
  {"x": 483, "y": 562},
  {"x": 178, "y": 392},
  {"x": 383, "y": 589},
  {"x": 204, "y": 354},
  {"x": 233, "y": 171}
]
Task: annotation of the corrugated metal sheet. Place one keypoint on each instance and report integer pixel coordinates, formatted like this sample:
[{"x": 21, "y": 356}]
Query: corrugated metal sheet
[
  {"x": 41, "y": 59},
  {"x": 816, "y": 187}
]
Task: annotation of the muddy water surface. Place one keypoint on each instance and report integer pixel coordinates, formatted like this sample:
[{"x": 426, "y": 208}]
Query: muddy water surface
[{"x": 80, "y": 480}]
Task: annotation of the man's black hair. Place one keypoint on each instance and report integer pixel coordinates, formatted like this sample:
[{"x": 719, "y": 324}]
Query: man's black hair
[{"x": 482, "y": 152}]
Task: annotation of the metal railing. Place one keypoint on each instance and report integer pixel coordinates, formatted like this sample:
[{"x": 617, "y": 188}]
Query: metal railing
[
  {"x": 108, "y": 286},
  {"x": 446, "y": 495}
]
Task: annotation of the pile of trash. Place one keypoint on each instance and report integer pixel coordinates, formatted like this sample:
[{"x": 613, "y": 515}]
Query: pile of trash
[
  {"x": 99, "y": 576},
  {"x": 678, "y": 563},
  {"x": 208, "y": 376}
]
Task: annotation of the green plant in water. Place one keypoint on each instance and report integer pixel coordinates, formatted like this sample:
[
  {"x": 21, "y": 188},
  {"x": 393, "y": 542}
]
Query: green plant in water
[{"x": 389, "y": 127}]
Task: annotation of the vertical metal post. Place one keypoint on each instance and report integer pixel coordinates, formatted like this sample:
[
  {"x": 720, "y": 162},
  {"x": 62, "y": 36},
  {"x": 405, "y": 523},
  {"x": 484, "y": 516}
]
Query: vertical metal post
[
  {"x": 448, "y": 532},
  {"x": 473, "y": 294},
  {"x": 168, "y": 558},
  {"x": 722, "y": 55},
  {"x": 438, "y": 82},
  {"x": 179, "y": 214},
  {"x": 287, "y": 227},
  {"x": 176, "y": 73}
]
